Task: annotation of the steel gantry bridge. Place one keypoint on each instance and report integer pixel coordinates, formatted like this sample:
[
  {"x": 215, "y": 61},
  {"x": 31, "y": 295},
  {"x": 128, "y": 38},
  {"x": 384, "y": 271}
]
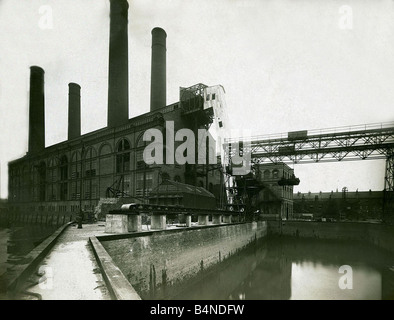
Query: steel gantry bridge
[
  {"x": 361, "y": 142},
  {"x": 370, "y": 141}
]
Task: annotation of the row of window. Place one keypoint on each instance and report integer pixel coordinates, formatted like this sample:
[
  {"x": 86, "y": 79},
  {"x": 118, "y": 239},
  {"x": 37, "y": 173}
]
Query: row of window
[
  {"x": 72, "y": 190},
  {"x": 274, "y": 174},
  {"x": 60, "y": 208},
  {"x": 122, "y": 146}
]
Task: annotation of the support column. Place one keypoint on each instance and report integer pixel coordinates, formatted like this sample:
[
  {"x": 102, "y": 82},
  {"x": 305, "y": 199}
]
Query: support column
[
  {"x": 203, "y": 219},
  {"x": 188, "y": 220},
  {"x": 388, "y": 197},
  {"x": 227, "y": 218},
  {"x": 159, "y": 222},
  {"x": 216, "y": 219},
  {"x": 116, "y": 223},
  {"x": 134, "y": 223}
]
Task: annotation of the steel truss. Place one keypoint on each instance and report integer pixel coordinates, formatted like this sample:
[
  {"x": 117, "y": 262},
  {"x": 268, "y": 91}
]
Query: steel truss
[{"x": 357, "y": 143}]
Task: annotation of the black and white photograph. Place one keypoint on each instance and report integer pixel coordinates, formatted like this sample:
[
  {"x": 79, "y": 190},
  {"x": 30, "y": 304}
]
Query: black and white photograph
[{"x": 211, "y": 152}]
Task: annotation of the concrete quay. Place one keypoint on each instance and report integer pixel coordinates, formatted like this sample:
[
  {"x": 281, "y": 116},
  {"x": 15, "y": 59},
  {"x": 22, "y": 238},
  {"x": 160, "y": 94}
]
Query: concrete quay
[{"x": 69, "y": 271}]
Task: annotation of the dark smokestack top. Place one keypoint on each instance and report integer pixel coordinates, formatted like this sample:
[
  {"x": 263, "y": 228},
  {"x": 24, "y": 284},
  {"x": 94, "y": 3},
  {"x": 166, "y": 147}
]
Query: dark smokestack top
[
  {"x": 158, "y": 89},
  {"x": 118, "y": 73},
  {"x": 119, "y": 7},
  {"x": 36, "y": 110},
  {"x": 74, "y": 110},
  {"x": 74, "y": 87},
  {"x": 35, "y": 70},
  {"x": 159, "y": 37}
]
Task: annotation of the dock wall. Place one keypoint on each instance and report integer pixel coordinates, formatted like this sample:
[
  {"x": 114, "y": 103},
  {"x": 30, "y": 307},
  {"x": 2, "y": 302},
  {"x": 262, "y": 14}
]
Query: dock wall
[
  {"x": 376, "y": 234},
  {"x": 157, "y": 263}
]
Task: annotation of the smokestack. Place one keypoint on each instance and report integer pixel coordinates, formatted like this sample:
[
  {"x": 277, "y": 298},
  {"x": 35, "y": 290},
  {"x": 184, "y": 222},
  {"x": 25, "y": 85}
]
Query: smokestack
[
  {"x": 74, "y": 111},
  {"x": 158, "y": 97},
  {"x": 118, "y": 78},
  {"x": 36, "y": 110}
]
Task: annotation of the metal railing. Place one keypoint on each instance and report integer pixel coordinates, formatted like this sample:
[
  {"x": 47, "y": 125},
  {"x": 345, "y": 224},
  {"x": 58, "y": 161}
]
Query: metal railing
[{"x": 324, "y": 131}]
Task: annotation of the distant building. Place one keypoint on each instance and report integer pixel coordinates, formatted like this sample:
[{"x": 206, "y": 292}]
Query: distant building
[
  {"x": 275, "y": 198},
  {"x": 340, "y": 205}
]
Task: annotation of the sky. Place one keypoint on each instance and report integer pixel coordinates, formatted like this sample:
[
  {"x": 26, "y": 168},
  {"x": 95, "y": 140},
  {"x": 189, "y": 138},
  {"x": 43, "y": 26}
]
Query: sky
[{"x": 285, "y": 65}]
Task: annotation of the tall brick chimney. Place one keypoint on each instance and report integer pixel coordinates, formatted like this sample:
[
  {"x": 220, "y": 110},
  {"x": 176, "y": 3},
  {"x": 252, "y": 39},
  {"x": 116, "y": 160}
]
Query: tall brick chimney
[
  {"x": 74, "y": 111},
  {"x": 118, "y": 78},
  {"x": 158, "y": 88},
  {"x": 36, "y": 110}
]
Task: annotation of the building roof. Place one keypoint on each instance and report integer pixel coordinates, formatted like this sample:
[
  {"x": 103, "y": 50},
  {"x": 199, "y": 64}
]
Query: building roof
[
  {"x": 339, "y": 195},
  {"x": 136, "y": 121},
  {"x": 169, "y": 187}
]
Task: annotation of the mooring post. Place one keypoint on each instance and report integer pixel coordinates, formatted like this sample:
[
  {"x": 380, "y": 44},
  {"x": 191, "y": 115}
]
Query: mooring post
[
  {"x": 134, "y": 222},
  {"x": 203, "y": 219},
  {"x": 227, "y": 218},
  {"x": 188, "y": 217},
  {"x": 216, "y": 218},
  {"x": 79, "y": 219},
  {"x": 159, "y": 221}
]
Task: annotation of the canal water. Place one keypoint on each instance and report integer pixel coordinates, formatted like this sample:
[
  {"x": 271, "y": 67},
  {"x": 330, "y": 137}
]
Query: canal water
[
  {"x": 16, "y": 241},
  {"x": 296, "y": 269}
]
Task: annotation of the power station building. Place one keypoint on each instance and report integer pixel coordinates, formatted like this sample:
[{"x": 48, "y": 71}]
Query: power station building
[{"x": 108, "y": 163}]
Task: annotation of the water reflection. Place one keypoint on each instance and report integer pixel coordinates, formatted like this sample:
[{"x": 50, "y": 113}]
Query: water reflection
[
  {"x": 16, "y": 241},
  {"x": 288, "y": 268}
]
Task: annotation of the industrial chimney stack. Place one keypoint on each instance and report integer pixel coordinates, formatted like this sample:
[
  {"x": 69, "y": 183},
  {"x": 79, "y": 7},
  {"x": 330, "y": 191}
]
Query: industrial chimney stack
[
  {"x": 74, "y": 111},
  {"x": 36, "y": 111},
  {"x": 158, "y": 98},
  {"x": 118, "y": 78}
]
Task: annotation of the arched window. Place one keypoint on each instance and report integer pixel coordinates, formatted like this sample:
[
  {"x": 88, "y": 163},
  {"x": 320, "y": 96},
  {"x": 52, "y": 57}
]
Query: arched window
[
  {"x": 63, "y": 168},
  {"x": 139, "y": 155},
  {"x": 90, "y": 182},
  {"x": 63, "y": 177},
  {"x": 177, "y": 178},
  {"x": 275, "y": 174},
  {"x": 76, "y": 169},
  {"x": 76, "y": 165},
  {"x": 90, "y": 162},
  {"x": 41, "y": 180},
  {"x": 105, "y": 149},
  {"x": 106, "y": 160},
  {"x": 266, "y": 174},
  {"x": 123, "y": 156},
  {"x": 210, "y": 187}
]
